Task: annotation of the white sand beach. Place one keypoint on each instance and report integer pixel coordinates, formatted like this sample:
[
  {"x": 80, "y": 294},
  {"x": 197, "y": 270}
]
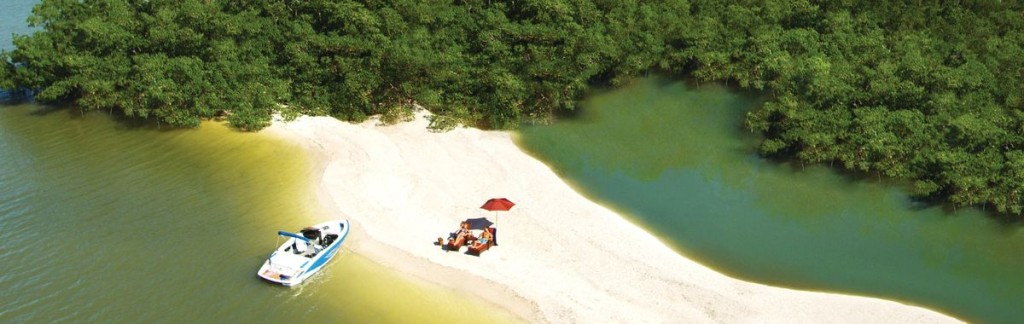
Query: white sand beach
[{"x": 561, "y": 258}]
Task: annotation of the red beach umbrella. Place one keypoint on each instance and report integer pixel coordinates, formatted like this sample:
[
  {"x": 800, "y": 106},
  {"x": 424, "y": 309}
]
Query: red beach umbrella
[{"x": 495, "y": 205}]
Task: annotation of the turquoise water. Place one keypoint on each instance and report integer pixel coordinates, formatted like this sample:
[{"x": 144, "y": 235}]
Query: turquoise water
[{"x": 676, "y": 159}]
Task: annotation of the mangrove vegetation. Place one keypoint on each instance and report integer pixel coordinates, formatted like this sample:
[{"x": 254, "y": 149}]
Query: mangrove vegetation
[{"x": 923, "y": 92}]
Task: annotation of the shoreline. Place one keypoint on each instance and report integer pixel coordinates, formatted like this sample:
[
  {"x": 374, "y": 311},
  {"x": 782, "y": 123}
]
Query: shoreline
[
  {"x": 402, "y": 187},
  {"x": 395, "y": 259}
]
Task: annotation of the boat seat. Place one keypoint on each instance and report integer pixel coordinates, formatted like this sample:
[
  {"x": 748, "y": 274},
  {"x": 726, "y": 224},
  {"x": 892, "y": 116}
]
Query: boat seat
[{"x": 329, "y": 238}]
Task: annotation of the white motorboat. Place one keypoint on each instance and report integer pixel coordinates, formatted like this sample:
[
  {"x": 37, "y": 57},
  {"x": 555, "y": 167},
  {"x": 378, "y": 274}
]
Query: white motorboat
[{"x": 304, "y": 253}]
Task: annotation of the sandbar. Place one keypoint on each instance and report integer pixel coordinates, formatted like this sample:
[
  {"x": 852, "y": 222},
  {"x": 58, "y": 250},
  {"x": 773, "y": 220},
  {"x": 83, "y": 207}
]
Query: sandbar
[{"x": 561, "y": 258}]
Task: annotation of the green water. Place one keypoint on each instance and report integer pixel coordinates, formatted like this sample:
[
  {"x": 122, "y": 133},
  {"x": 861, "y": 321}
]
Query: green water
[
  {"x": 676, "y": 159},
  {"x": 105, "y": 222}
]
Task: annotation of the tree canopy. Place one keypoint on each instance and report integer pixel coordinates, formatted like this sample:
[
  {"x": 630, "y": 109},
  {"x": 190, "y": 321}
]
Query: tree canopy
[{"x": 924, "y": 92}]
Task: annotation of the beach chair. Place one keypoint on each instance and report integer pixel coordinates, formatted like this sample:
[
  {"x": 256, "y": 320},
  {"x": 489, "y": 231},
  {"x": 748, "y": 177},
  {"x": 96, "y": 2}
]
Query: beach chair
[
  {"x": 476, "y": 248},
  {"x": 455, "y": 243}
]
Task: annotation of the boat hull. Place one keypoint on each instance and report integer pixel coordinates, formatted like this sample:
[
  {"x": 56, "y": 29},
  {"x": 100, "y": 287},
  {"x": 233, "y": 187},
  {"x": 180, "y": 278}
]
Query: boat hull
[{"x": 288, "y": 266}]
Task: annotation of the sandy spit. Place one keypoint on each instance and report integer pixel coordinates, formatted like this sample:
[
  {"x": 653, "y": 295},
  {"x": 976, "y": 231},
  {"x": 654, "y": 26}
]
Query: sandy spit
[{"x": 561, "y": 258}]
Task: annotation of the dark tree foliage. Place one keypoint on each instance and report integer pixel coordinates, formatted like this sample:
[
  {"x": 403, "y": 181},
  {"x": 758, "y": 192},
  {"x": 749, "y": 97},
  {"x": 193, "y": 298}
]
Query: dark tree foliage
[
  {"x": 925, "y": 92},
  {"x": 489, "y": 63}
]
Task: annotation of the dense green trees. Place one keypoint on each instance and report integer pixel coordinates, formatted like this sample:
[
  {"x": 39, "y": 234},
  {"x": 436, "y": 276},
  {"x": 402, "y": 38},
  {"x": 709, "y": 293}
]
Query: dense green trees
[
  {"x": 488, "y": 62},
  {"x": 928, "y": 93},
  {"x": 169, "y": 61}
]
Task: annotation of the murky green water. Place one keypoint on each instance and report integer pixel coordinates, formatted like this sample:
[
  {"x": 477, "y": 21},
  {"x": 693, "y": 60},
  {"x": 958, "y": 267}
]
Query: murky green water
[
  {"x": 676, "y": 160},
  {"x": 102, "y": 222}
]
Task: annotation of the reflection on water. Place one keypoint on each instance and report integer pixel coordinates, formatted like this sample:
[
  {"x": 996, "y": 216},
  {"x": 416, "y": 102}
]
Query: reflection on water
[
  {"x": 677, "y": 159},
  {"x": 103, "y": 221}
]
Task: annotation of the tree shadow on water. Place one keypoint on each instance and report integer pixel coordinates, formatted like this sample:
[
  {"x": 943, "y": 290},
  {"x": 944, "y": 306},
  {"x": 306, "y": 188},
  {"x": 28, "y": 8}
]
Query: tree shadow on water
[{"x": 14, "y": 97}]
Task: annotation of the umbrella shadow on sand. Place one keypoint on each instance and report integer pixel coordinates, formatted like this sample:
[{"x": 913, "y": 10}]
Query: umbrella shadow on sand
[{"x": 479, "y": 223}]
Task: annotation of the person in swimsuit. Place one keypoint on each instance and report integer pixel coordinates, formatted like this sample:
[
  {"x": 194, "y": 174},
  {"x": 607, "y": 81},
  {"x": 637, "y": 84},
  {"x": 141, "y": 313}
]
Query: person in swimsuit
[
  {"x": 463, "y": 233},
  {"x": 485, "y": 239},
  {"x": 461, "y": 236}
]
